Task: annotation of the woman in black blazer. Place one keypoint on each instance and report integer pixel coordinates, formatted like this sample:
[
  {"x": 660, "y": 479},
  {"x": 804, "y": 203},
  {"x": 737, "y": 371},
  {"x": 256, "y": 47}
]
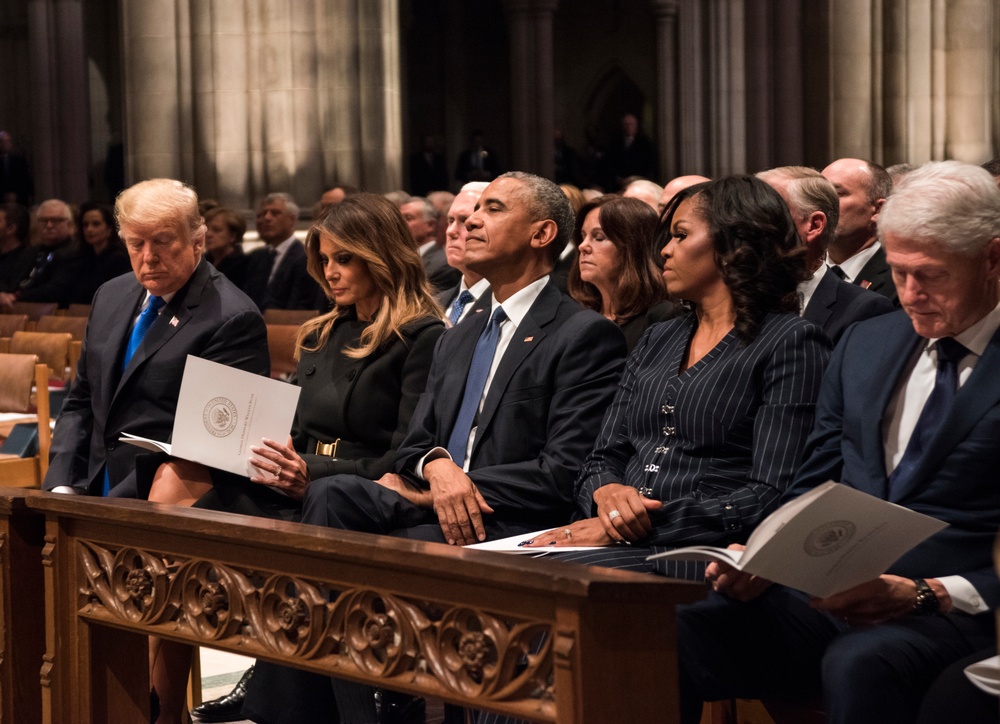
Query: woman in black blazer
[{"x": 362, "y": 366}]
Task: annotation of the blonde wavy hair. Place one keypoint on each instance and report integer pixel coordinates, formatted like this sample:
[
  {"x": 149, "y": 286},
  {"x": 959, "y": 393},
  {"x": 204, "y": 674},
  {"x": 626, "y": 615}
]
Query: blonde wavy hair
[{"x": 371, "y": 228}]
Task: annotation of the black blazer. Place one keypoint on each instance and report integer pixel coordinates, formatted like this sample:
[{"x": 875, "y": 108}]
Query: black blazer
[
  {"x": 208, "y": 317},
  {"x": 366, "y": 403},
  {"x": 291, "y": 287},
  {"x": 957, "y": 480},
  {"x": 439, "y": 273},
  {"x": 542, "y": 411},
  {"x": 877, "y": 276},
  {"x": 836, "y": 304}
]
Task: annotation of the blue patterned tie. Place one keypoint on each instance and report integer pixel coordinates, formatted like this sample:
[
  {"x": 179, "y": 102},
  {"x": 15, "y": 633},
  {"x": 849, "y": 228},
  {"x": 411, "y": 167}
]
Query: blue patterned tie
[
  {"x": 458, "y": 305},
  {"x": 142, "y": 326},
  {"x": 475, "y": 383},
  {"x": 949, "y": 354}
]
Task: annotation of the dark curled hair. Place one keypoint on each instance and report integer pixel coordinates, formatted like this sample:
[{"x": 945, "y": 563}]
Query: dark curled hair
[
  {"x": 630, "y": 225},
  {"x": 757, "y": 248}
]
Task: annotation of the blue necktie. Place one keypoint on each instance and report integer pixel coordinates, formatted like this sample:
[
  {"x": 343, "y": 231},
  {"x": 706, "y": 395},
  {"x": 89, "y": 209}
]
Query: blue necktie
[
  {"x": 458, "y": 305},
  {"x": 475, "y": 383},
  {"x": 949, "y": 354},
  {"x": 142, "y": 326}
]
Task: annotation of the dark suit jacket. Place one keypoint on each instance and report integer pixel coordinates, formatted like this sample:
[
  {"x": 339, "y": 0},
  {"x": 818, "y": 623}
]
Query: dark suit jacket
[
  {"x": 958, "y": 480},
  {"x": 439, "y": 273},
  {"x": 214, "y": 320},
  {"x": 366, "y": 403},
  {"x": 291, "y": 287},
  {"x": 542, "y": 411},
  {"x": 836, "y": 304},
  {"x": 54, "y": 275},
  {"x": 447, "y": 298},
  {"x": 877, "y": 276}
]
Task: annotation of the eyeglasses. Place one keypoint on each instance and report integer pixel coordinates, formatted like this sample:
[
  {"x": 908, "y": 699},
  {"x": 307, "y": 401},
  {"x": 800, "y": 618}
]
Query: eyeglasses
[{"x": 54, "y": 220}]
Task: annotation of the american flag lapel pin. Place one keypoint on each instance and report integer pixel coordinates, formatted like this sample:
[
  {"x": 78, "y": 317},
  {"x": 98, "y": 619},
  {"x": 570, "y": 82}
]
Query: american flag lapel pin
[
  {"x": 174, "y": 321},
  {"x": 865, "y": 284},
  {"x": 528, "y": 339}
]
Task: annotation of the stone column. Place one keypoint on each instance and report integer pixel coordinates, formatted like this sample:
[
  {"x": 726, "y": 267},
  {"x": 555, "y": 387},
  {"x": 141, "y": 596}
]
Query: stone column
[
  {"x": 152, "y": 92},
  {"x": 971, "y": 48},
  {"x": 522, "y": 78},
  {"x": 665, "y": 12},
  {"x": 60, "y": 100},
  {"x": 692, "y": 115},
  {"x": 851, "y": 64},
  {"x": 544, "y": 88}
]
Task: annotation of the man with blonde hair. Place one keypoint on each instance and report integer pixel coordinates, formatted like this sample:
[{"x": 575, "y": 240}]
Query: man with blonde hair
[{"x": 142, "y": 327}]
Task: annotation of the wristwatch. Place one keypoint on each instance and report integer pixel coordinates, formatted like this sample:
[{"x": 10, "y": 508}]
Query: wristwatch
[{"x": 927, "y": 602}]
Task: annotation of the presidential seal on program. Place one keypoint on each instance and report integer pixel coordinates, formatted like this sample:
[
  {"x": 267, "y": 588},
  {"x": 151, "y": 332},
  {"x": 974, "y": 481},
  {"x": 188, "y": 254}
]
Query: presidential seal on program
[
  {"x": 829, "y": 537},
  {"x": 220, "y": 416}
]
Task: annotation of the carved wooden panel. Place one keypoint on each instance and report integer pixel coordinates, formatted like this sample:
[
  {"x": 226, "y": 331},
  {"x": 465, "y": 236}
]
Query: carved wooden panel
[{"x": 440, "y": 649}]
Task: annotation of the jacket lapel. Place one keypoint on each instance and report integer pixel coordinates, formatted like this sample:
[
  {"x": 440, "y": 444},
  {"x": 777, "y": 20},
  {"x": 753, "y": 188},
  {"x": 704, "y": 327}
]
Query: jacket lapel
[
  {"x": 460, "y": 359},
  {"x": 820, "y": 307},
  {"x": 528, "y": 335},
  {"x": 170, "y": 321},
  {"x": 979, "y": 394},
  {"x": 117, "y": 335}
]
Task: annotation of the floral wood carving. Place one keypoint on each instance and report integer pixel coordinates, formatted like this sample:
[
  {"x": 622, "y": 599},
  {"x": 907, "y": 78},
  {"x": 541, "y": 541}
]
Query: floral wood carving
[{"x": 459, "y": 650}]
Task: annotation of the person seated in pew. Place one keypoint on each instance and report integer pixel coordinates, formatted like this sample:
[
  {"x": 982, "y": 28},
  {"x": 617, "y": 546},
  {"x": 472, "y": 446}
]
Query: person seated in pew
[
  {"x": 713, "y": 410},
  {"x": 141, "y": 329},
  {"x": 909, "y": 411},
  {"x": 615, "y": 273},
  {"x": 362, "y": 367},
  {"x": 512, "y": 405}
]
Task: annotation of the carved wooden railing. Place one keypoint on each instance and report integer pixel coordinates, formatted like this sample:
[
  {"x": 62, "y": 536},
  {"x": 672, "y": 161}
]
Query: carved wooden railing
[
  {"x": 532, "y": 638},
  {"x": 22, "y": 609}
]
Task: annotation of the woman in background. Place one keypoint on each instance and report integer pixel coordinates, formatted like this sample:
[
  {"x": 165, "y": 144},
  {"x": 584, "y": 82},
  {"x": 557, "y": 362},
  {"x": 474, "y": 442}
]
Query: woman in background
[
  {"x": 224, "y": 243},
  {"x": 615, "y": 273},
  {"x": 102, "y": 255}
]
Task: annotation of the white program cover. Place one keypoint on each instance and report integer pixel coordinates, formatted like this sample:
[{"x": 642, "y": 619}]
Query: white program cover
[{"x": 222, "y": 412}]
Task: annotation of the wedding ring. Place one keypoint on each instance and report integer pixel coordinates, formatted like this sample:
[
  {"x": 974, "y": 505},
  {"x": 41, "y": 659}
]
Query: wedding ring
[
  {"x": 614, "y": 514},
  {"x": 569, "y": 534}
]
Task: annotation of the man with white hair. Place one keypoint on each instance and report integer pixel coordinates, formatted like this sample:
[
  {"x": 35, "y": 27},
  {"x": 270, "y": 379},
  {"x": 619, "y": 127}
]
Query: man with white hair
[
  {"x": 57, "y": 260},
  {"x": 827, "y": 300},
  {"x": 142, "y": 328},
  {"x": 646, "y": 191},
  {"x": 909, "y": 412},
  {"x": 472, "y": 292}
]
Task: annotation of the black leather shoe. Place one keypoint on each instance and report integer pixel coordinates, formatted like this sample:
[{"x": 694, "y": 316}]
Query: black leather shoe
[{"x": 225, "y": 708}]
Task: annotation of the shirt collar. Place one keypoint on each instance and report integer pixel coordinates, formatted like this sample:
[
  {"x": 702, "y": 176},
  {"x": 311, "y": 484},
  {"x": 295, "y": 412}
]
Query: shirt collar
[{"x": 518, "y": 304}]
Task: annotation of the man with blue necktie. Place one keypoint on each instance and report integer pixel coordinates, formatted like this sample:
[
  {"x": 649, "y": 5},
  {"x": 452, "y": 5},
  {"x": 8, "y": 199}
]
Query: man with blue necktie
[
  {"x": 141, "y": 329},
  {"x": 472, "y": 293},
  {"x": 909, "y": 411},
  {"x": 514, "y": 400}
]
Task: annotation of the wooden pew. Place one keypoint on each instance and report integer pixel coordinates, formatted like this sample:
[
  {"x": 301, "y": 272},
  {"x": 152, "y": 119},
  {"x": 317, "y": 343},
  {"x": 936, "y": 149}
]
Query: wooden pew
[
  {"x": 418, "y": 617},
  {"x": 22, "y": 610}
]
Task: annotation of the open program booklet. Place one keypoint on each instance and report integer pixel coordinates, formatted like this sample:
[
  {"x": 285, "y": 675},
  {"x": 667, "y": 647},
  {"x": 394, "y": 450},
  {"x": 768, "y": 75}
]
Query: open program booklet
[
  {"x": 221, "y": 412},
  {"x": 825, "y": 541}
]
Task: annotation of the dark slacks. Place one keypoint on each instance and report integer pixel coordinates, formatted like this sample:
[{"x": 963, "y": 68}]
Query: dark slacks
[
  {"x": 777, "y": 646},
  {"x": 953, "y": 698}
]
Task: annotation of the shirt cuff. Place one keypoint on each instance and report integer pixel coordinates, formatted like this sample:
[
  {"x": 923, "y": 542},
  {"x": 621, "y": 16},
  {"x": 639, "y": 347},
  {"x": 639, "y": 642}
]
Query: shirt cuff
[
  {"x": 964, "y": 596},
  {"x": 434, "y": 454}
]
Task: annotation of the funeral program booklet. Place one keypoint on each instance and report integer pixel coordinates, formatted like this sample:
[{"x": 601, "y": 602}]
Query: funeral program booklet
[
  {"x": 221, "y": 413},
  {"x": 826, "y": 541}
]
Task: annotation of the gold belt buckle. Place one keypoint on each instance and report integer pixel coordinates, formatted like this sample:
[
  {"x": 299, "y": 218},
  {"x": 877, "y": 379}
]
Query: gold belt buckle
[{"x": 327, "y": 449}]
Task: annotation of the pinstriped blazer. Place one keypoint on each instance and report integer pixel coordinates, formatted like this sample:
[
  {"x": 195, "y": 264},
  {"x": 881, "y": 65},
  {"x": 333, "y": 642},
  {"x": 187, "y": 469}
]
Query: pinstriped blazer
[{"x": 719, "y": 442}]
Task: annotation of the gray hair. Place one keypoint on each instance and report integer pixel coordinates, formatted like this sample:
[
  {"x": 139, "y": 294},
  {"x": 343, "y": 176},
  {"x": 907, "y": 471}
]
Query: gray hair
[
  {"x": 808, "y": 191},
  {"x": 545, "y": 201},
  {"x": 430, "y": 213},
  {"x": 290, "y": 206},
  {"x": 476, "y": 187},
  {"x": 947, "y": 203}
]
